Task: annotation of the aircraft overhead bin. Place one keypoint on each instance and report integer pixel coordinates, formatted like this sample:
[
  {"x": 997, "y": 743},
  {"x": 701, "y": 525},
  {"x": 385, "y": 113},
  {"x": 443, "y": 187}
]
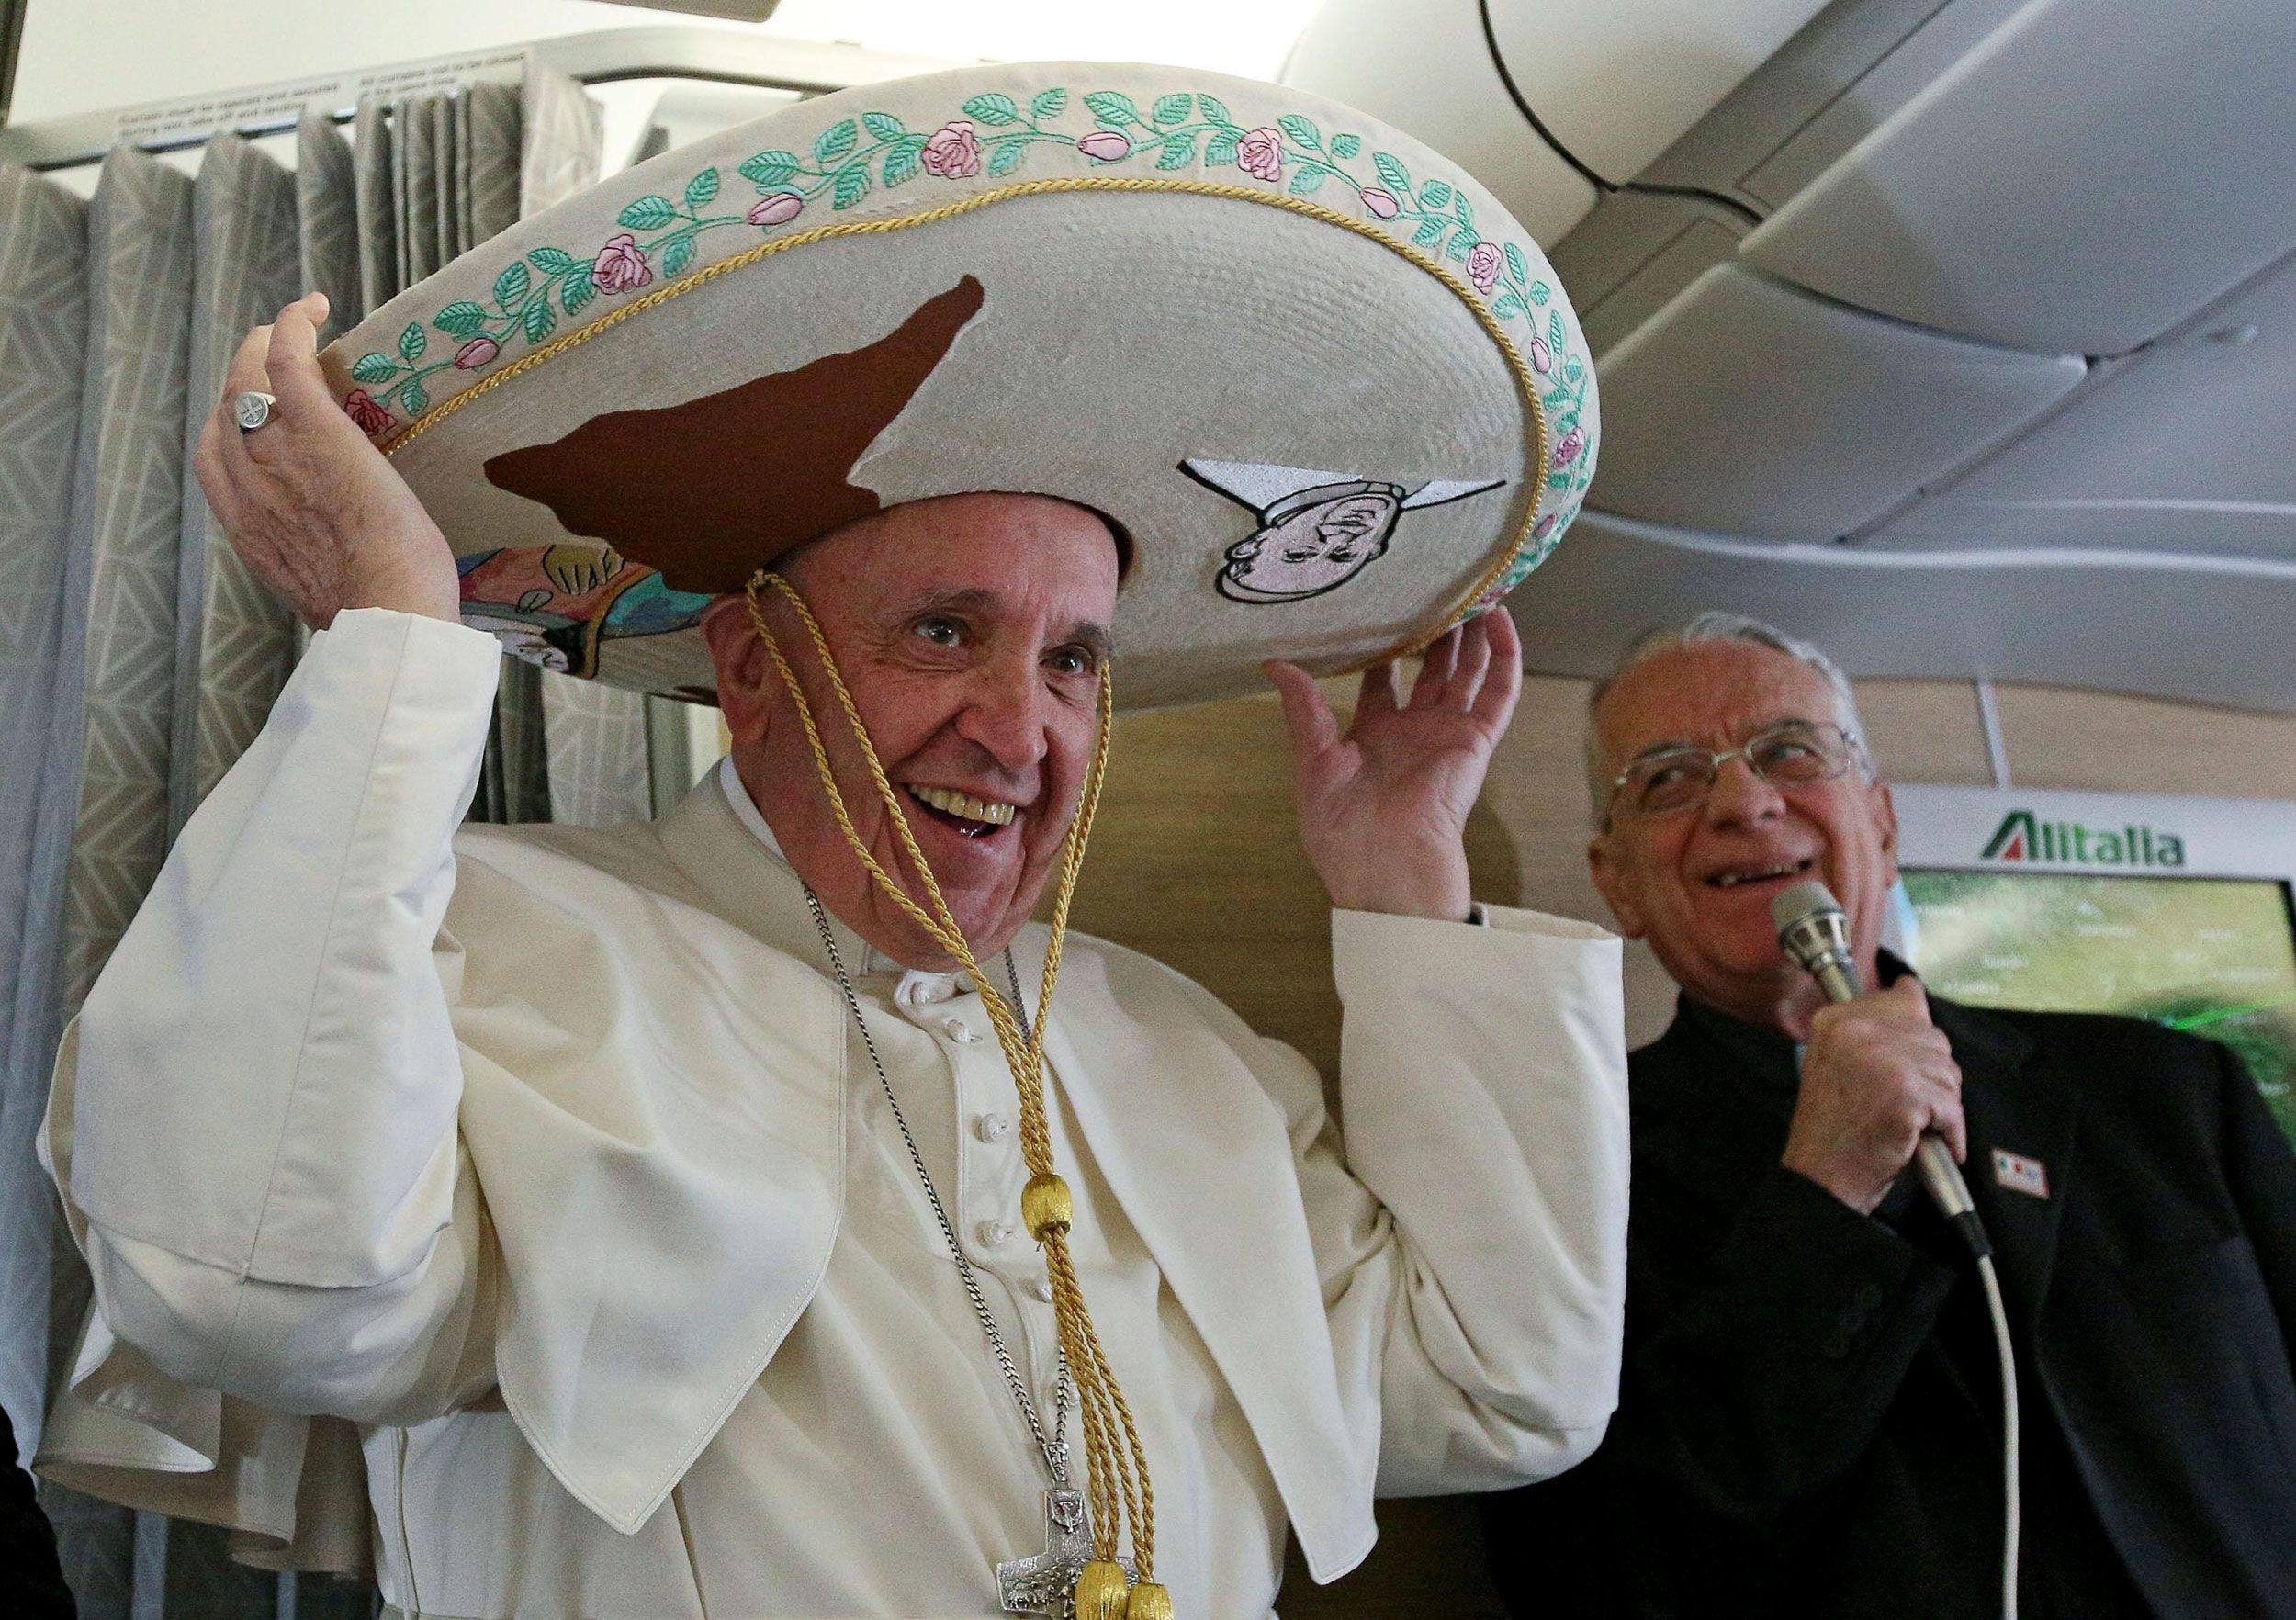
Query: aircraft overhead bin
[{"x": 1959, "y": 334}]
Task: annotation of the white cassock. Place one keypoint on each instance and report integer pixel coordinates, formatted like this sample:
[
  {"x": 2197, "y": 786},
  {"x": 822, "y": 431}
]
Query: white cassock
[{"x": 548, "y": 1159}]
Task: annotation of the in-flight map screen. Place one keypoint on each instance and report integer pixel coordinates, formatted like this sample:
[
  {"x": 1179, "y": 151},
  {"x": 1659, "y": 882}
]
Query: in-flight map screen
[{"x": 2216, "y": 956}]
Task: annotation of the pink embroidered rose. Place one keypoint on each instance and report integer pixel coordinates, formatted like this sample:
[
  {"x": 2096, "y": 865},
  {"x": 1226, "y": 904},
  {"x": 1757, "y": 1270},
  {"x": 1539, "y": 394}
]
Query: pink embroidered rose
[
  {"x": 360, "y": 407},
  {"x": 1542, "y": 357},
  {"x": 1105, "y": 146},
  {"x": 477, "y": 351},
  {"x": 1545, "y": 527},
  {"x": 1381, "y": 202},
  {"x": 778, "y": 208},
  {"x": 954, "y": 152},
  {"x": 1482, "y": 266},
  {"x": 1567, "y": 451},
  {"x": 1261, "y": 154},
  {"x": 620, "y": 267}
]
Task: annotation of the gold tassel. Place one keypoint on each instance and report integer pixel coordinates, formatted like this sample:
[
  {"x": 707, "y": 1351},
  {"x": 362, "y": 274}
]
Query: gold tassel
[
  {"x": 1116, "y": 1463},
  {"x": 1100, "y": 1592}
]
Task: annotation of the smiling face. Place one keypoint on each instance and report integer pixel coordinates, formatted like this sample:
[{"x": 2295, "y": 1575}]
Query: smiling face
[
  {"x": 1312, "y": 550},
  {"x": 972, "y": 631},
  {"x": 1697, "y": 883}
]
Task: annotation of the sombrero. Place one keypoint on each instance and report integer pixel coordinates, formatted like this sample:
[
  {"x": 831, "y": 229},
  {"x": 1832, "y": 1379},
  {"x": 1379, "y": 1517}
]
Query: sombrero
[{"x": 1329, "y": 392}]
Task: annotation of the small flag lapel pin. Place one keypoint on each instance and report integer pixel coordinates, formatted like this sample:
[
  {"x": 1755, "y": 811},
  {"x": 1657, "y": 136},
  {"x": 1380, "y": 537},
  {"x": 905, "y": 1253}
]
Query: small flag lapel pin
[{"x": 2020, "y": 1174}]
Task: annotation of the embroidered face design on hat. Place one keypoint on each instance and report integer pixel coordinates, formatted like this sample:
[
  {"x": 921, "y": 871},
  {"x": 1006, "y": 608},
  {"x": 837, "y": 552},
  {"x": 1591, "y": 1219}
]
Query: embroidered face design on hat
[{"x": 1318, "y": 530}]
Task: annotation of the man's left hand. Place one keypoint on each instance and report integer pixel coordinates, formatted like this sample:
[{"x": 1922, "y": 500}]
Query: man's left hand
[{"x": 1383, "y": 808}]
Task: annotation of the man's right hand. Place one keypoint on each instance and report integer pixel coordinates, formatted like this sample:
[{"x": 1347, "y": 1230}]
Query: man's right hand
[
  {"x": 1876, "y": 1075},
  {"x": 311, "y": 507}
]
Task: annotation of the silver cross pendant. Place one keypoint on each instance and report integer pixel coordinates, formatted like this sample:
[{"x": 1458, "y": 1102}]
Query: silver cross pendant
[{"x": 1045, "y": 1585}]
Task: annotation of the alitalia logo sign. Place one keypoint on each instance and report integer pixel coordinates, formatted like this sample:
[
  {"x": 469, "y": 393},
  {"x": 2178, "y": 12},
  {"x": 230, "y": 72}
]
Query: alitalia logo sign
[{"x": 2022, "y": 835}]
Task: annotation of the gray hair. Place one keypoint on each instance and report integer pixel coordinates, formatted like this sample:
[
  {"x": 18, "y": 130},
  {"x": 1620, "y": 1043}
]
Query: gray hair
[{"x": 1712, "y": 627}]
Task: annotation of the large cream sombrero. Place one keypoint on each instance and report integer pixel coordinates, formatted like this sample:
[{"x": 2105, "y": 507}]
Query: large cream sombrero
[{"x": 1332, "y": 393}]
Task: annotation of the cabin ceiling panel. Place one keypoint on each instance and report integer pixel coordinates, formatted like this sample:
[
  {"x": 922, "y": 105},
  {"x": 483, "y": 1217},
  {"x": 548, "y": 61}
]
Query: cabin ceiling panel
[
  {"x": 2082, "y": 182},
  {"x": 1748, "y": 407}
]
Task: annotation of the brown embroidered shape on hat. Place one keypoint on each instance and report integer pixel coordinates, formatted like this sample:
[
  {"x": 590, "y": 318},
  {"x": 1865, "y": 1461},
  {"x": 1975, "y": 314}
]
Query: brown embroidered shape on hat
[{"x": 710, "y": 490}]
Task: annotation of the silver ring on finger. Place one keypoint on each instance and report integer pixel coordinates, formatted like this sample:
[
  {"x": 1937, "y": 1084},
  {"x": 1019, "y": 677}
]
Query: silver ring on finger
[{"x": 253, "y": 409}]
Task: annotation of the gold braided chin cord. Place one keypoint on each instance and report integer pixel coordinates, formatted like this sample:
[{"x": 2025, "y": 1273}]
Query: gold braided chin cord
[{"x": 1116, "y": 1464}]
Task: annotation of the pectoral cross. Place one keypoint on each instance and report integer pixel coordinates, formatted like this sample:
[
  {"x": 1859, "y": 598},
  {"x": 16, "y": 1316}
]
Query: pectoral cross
[{"x": 1045, "y": 1585}]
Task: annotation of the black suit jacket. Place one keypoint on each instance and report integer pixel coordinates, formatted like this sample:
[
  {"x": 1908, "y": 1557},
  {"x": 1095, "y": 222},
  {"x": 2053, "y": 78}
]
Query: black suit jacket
[{"x": 1793, "y": 1439}]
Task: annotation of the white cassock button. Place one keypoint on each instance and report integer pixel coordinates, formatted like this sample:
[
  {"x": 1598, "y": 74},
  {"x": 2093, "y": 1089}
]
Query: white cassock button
[
  {"x": 917, "y": 989},
  {"x": 991, "y": 1127},
  {"x": 960, "y": 1032},
  {"x": 995, "y": 1234},
  {"x": 1043, "y": 1289}
]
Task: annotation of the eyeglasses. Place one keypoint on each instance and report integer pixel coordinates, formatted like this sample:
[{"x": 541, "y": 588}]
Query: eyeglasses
[{"x": 1793, "y": 753}]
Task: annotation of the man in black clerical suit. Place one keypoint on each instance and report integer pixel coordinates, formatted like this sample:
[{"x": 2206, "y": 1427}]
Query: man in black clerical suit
[{"x": 1810, "y": 1420}]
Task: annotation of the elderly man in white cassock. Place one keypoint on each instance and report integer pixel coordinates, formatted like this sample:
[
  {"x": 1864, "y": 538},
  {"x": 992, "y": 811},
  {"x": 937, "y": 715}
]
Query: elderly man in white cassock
[{"x": 756, "y": 1213}]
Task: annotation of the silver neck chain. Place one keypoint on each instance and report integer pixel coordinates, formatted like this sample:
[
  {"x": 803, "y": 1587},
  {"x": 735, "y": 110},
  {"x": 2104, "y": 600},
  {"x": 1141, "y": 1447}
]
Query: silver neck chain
[{"x": 1055, "y": 1445}]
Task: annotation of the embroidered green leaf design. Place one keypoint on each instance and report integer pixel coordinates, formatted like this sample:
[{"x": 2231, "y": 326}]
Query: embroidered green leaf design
[
  {"x": 413, "y": 400},
  {"x": 1573, "y": 372},
  {"x": 648, "y": 213},
  {"x": 1559, "y": 481},
  {"x": 1517, "y": 266},
  {"x": 1397, "y": 176},
  {"x": 1221, "y": 148},
  {"x": 1215, "y": 110},
  {"x": 1346, "y": 146},
  {"x": 771, "y": 168},
  {"x": 461, "y": 318},
  {"x": 1301, "y": 129},
  {"x": 1179, "y": 152},
  {"x": 1539, "y": 295},
  {"x": 1458, "y": 206},
  {"x": 1554, "y": 332},
  {"x": 677, "y": 256},
  {"x": 700, "y": 190},
  {"x": 1430, "y": 232},
  {"x": 575, "y": 292},
  {"x": 550, "y": 260},
  {"x": 1006, "y": 157},
  {"x": 992, "y": 109},
  {"x": 851, "y": 186},
  {"x": 539, "y": 320},
  {"x": 1172, "y": 110},
  {"x": 884, "y": 126},
  {"x": 1457, "y": 249},
  {"x": 1049, "y": 104},
  {"x": 1305, "y": 182},
  {"x": 901, "y": 161},
  {"x": 374, "y": 368},
  {"x": 835, "y": 141},
  {"x": 1113, "y": 106},
  {"x": 1435, "y": 194},
  {"x": 1507, "y": 304},
  {"x": 510, "y": 285}
]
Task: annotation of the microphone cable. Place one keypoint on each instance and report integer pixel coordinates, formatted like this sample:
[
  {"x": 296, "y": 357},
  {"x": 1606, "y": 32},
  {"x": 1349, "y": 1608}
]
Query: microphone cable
[{"x": 1814, "y": 933}]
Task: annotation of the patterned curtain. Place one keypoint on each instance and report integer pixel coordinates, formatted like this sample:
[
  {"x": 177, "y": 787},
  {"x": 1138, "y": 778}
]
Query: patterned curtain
[{"x": 138, "y": 658}]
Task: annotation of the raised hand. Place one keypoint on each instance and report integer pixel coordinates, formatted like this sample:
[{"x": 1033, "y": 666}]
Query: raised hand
[
  {"x": 1383, "y": 808},
  {"x": 312, "y": 508}
]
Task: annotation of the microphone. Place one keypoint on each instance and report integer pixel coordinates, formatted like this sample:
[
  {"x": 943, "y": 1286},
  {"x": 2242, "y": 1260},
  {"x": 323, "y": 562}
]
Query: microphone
[{"x": 1814, "y": 933}]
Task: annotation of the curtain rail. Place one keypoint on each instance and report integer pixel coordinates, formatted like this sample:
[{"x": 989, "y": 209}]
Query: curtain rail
[{"x": 724, "y": 56}]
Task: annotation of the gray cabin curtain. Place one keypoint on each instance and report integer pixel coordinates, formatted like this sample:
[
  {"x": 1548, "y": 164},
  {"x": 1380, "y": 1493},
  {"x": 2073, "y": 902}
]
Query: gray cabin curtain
[{"x": 138, "y": 656}]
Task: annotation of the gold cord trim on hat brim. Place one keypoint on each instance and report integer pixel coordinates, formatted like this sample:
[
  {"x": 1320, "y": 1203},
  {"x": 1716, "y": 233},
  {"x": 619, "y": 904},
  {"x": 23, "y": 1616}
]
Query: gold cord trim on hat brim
[{"x": 1053, "y": 185}]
